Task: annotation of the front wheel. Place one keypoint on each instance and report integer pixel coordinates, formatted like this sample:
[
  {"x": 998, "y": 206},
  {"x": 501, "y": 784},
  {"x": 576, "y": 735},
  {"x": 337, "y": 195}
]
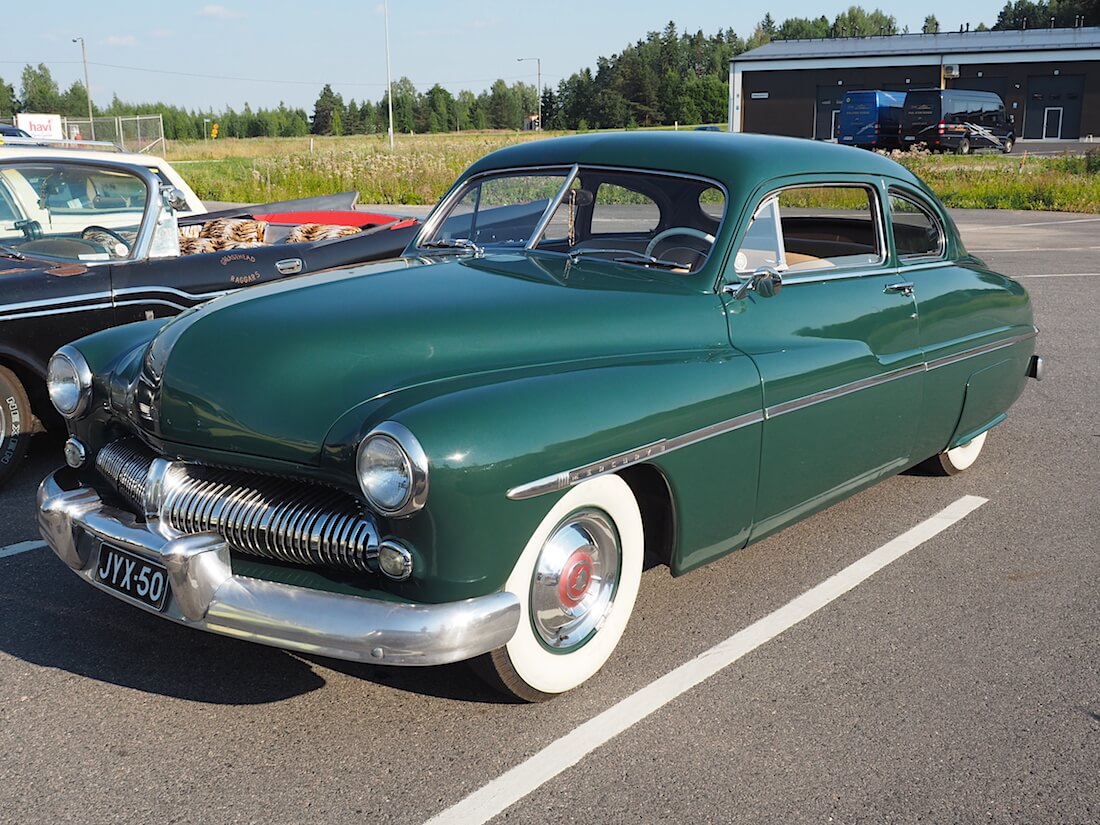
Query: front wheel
[
  {"x": 1007, "y": 144},
  {"x": 576, "y": 580},
  {"x": 954, "y": 461},
  {"x": 15, "y": 423}
]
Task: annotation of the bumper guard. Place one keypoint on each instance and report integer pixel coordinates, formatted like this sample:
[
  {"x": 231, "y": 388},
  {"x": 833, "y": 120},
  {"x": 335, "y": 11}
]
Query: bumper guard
[{"x": 205, "y": 594}]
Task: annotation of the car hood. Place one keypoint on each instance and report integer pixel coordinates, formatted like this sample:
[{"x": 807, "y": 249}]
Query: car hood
[{"x": 267, "y": 371}]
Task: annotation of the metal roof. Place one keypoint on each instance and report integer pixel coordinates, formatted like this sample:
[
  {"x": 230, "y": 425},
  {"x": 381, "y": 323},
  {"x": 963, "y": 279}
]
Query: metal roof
[{"x": 944, "y": 42}]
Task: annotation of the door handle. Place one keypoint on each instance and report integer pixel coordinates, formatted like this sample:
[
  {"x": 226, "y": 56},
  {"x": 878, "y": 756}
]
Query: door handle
[
  {"x": 905, "y": 288},
  {"x": 289, "y": 266}
]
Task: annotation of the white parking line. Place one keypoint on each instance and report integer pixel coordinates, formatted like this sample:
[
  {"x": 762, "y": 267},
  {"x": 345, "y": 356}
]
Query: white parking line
[
  {"x": 507, "y": 789},
  {"x": 20, "y": 547}
]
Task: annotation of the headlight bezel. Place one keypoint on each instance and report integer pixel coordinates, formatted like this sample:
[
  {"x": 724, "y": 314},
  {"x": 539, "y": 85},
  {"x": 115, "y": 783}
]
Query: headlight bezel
[
  {"x": 82, "y": 374},
  {"x": 414, "y": 459}
]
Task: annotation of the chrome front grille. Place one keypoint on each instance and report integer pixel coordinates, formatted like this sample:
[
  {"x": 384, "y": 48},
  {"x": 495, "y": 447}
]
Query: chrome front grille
[
  {"x": 271, "y": 517},
  {"x": 126, "y": 465}
]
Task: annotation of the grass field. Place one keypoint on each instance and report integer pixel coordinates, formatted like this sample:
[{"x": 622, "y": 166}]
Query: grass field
[{"x": 422, "y": 167}]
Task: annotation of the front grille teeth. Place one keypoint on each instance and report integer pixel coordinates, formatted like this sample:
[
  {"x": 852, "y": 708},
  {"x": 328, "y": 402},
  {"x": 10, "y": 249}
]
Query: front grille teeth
[{"x": 264, "y": 516}]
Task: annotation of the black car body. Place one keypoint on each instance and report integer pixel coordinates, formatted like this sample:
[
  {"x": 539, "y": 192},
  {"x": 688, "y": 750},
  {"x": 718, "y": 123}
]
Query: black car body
[
  {"x": 91, "y": 244},
  {"x": 956, "y": 120}
]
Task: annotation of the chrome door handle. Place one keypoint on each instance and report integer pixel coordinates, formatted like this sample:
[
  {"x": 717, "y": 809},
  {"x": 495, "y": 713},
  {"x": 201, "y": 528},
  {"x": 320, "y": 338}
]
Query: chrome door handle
[
  {"x": 289, "y": 266},
  {"x": 905, "y": 288}
]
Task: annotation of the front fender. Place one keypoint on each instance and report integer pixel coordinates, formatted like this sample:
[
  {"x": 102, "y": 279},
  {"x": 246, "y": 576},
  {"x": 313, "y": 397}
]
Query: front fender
[{"x": 484, "y": 440}]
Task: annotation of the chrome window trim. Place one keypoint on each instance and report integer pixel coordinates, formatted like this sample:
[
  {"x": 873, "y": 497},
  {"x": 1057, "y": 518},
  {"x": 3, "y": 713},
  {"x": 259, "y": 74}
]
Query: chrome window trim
[
  {"x": 619, "y": 461},
  {"x": 894, "y": 191},
  {"x": 434, "y": 218},
  {"x": 852, "y": 271},
  {"x": 551, "y": 209}
]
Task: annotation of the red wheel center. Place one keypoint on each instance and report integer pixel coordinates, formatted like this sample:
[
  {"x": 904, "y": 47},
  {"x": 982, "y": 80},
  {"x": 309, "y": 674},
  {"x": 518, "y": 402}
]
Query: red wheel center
[{"x": 576, "y": 577}]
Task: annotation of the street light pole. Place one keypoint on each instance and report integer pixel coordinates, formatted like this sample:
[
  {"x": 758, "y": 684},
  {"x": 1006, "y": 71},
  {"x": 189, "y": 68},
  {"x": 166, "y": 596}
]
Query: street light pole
[
  {"x": 87, "y": 85},
  {"x": 538, "y": 68},
  {"x": 389, "y": 77}
]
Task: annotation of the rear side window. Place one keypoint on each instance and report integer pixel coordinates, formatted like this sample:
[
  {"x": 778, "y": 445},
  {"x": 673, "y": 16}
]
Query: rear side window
[
  {"x": 814, "y": 228},
  {"x": 918, "y": 235}
]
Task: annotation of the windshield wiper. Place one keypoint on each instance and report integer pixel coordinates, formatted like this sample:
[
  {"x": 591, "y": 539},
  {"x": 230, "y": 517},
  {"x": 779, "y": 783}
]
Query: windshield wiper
[
  {"x": 639, "y": 258},
  {"x": 11, "y": 252},
  {"x": 455, "y": 243}
]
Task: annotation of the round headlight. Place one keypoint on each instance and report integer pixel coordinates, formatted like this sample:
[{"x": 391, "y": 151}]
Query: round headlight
[
  {"x": 392, "y": 470},
  {"x": 69, "y": 382}
]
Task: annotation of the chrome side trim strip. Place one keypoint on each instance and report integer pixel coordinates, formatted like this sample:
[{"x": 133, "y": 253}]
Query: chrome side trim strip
[
  {"x": 982, "y": 350},
  {"x": 844, "y": 389},
  {"x": 567, "y": 478}
]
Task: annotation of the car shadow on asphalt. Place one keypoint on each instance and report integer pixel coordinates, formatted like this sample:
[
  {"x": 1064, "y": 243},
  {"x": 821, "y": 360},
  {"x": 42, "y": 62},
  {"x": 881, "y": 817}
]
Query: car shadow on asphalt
[{"x": 50, "y": 618}]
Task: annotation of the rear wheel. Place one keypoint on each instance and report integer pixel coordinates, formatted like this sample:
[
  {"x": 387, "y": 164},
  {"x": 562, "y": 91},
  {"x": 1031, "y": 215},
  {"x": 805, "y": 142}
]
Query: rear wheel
[
  {"x": 954, "y": 461},
  {"x": 964, "y": 147},
  {"x": 16, "y": 423},
  {"x": 576, "y": 580}
]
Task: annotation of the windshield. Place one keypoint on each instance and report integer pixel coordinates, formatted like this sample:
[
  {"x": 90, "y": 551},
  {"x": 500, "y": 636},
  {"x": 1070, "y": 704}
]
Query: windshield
[
  {"x": 70, "y": 211},
  {"x": 648, "y": 219}
]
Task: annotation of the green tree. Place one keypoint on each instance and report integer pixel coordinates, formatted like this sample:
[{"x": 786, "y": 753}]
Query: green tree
[
  {"x": 856, "y": 22},
  {"x": 40, "y": 93},
  {"x": 327, "y": 103},
  {"x": 9, "y": 104},
  {"x": 931, "y": 25},
  {"x": 504, "y": 107},
  {"x": 439, "y": 104}
]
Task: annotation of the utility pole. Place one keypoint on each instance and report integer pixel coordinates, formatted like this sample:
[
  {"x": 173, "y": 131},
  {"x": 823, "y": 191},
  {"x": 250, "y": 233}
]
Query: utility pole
[
  {"x": 389, "y": 76},
  {"x": 87, "y": 85},
  {"x": 538, "y": 67}
]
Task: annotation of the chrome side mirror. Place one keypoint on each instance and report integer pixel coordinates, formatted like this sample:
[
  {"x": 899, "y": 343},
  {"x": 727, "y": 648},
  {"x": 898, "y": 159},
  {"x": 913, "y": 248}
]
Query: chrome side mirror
[
  {"x": 765, "y": 282},
  {"x": 174, "y": 198}
]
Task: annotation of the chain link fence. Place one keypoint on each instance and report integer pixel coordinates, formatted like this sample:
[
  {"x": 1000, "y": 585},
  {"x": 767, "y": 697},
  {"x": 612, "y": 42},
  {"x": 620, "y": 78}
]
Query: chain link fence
[{"x": 135, "y": 133}]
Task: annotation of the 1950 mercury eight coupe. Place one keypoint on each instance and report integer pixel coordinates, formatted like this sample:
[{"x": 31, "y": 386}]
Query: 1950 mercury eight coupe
[{"x": 598, "y": 349}]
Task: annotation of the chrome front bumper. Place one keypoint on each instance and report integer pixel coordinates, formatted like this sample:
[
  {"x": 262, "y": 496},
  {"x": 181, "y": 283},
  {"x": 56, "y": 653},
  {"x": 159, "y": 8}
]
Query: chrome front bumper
[{"x": 205, "y": 594}]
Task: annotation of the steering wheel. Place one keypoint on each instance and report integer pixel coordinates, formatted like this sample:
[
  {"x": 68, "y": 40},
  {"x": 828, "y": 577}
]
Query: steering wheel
[
  {"x": 88, "y": 234},
  {"x": 677, "y": 230}
]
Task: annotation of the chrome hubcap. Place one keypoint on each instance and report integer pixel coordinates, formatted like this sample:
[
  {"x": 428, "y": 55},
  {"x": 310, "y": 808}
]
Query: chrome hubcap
[{"x": 574, "y": 581}]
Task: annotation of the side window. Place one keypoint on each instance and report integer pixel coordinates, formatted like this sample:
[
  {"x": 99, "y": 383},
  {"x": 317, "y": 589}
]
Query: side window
[
  {"x": 917, "y": 233},
  {"x": 813, "y": 228},
  {"x": 608, "y": 216}
]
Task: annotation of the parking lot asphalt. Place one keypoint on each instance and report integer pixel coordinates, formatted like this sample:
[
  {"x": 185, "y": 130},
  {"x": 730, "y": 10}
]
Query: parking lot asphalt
[{"x": 958, "y": 683}]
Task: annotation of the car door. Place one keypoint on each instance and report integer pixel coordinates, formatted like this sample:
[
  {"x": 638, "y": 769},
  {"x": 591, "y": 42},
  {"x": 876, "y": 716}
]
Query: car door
[
  {"x": 970, "y": 320},
  {"x": 837, "y": 347}
]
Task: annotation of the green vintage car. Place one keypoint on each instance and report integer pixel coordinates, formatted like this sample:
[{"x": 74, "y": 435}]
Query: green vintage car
[{"x": 600, "y": 352}]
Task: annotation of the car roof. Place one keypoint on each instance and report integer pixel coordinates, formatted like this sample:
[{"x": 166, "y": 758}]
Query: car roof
[
  {"x": 732, "y": 159},
  {"x": 32, "y": 151}
]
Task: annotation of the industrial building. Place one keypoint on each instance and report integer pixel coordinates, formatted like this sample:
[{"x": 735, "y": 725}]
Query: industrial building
[{"x": 1049, "y": 79}]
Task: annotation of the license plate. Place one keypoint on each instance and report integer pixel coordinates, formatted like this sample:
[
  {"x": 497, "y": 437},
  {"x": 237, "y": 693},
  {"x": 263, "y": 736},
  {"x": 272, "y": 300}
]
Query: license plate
[
  {"x": 910, "y": 137},
  {"x": 132, "y": 576}
]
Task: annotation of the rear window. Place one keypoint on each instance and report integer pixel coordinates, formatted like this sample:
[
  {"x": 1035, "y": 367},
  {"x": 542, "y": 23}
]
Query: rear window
[{"x": 922, "y": 107}]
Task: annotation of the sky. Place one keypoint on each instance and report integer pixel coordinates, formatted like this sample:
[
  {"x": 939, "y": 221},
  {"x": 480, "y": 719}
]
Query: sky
[{"x": 203, "y": 55}]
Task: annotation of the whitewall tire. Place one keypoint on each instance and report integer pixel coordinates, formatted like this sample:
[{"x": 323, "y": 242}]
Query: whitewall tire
[
  {"x": 576, "y": 581},
  {"x": 954, "y": 461}
]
